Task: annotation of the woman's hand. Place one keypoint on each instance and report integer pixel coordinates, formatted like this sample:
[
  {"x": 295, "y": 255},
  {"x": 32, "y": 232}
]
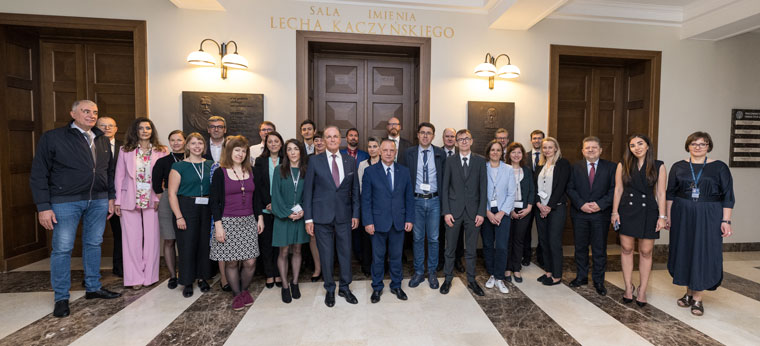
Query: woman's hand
[
  {"x": 260, "y": 224},
  {"x": 269, "y": 207},
  {"x": 514, "y": 215},
  {"x": 219, "y": 233},
  {"x": 181, "y": 224},
  {"x": 615, "y": 218},
  {"x": 725, "y": 229},
  {"x": 155, "y": 205},
  {"x": 661, "y": 224}
]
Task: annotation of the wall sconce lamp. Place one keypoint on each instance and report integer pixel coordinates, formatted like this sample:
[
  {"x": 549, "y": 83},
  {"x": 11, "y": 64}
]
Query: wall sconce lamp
[
  {"x": 233, "y": 60},
  {"x": 488, "y": 69}
]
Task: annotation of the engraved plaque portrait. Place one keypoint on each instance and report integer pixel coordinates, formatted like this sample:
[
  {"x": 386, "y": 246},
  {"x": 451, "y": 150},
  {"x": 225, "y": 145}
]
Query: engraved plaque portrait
[
  {"x": 243, "y": 112},
  {"x": 484, "y": 118}
]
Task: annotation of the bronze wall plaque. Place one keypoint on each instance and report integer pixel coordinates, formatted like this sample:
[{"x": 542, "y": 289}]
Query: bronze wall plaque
[
  {"x": 484, "y": 118},
  {"x": 243, "y": 112},
  {"x": 745, "y": 138}
]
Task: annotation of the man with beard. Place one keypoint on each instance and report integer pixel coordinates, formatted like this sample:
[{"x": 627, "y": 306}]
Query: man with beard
[
  {"x": 394, "y": 133},
  {"x": 352, "y": 146}
]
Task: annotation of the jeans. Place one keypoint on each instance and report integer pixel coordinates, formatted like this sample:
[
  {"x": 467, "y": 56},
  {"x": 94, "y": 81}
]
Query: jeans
[
  {"x": 427, "y": 216},
  {"x": 93, "y": 214},
  {"x": 495, "y": 246}
]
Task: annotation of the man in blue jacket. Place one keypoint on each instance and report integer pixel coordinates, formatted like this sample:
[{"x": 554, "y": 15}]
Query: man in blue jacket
[
  {"x": 387, "y": 212},
  {"x": 72, "y": 180}
]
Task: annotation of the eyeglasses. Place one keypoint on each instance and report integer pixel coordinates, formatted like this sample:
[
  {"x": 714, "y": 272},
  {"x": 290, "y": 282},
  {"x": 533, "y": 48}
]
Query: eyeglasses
[
  {"x": 107, "y": 126},
  {"x": 393, "y": 124},
  {"x": 501, "y": 138},
  {"x": 267, "y": 130},
  {"x": 464, "y": 139},
  {"x": 698, "y": 145},
  {"x": 425, "y": 133},
  {"x": 216, "y": 127}
]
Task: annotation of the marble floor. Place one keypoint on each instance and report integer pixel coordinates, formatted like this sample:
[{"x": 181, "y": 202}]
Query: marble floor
[{"x": 531, "y": 314}]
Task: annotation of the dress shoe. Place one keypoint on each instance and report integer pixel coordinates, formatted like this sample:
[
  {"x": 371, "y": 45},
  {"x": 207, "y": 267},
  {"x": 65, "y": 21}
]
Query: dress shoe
[
  {"x": 102, "y": 294},
  {"x": 458, "y": 266},
  {"x": 375, "y": 296},
  {"x": 578, "y": 283},
  {"x": 476, "y": 288},
  {"x": 542, "y": 278},
  {"x": 187, "y": 292},
  {"x": 225, "y": 288},
  {"x": 491, "y": 281},
  {"x": 525, "y": 262},
  {"x": 416, "y": 280},
  {"x": 600, "y": 289},
  {"x": 518, "y": 279},
  {"x": 278, "y": 283},
  {"x": 248, "y": 300},
  {"x": 61, "y": 308},
  {"x": 330, "y": 299},
  {"x": 508, "y": 278},
  {"x": 445, "y": 287},
  {"x": 172, "y": 283},
  {"x": 295, "y": 291},
  {"x": 286, "y": 298},
  {"x": 399, "y": 293},
  {"x": 433, "y": 281},
  {"x": 203, "y": 285},
  {"x": 551, "y": 282},
  {"x": 313, "y": 279},
  {"x": 629, "y": 300},
  {"x": 350, "y": 298},
  {"x": 641, "y": 304}
]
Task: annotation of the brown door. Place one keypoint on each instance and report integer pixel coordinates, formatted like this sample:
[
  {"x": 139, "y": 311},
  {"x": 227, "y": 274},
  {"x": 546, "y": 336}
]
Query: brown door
[
  {"x": 23, "y": 240},
  {"x": 364, "y": 92}
]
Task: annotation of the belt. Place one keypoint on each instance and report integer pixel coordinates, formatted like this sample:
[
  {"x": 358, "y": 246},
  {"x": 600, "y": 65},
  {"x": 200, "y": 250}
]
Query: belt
[
  {"x": 193, "y": 197},
  {"x": 426, "y": 196}
]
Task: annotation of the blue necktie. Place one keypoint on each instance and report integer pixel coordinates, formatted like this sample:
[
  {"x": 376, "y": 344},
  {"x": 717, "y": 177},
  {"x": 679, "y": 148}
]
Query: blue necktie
[
  {"x": 425, "y": 166},
  {"x": 535, "y": 161},
  {"x": 390, "y": 178}
]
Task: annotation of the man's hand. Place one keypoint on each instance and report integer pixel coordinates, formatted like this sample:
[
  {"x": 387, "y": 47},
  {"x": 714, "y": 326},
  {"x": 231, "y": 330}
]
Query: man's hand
[
  {"x": 586, "y": 208},
  {"x": 110, "y": 208},
  {"x": 47, "y": 219},
  {"x": 310, "y": 228},
  {"x": 594, "y": 207},
  {"x": 478, "y": 220},
  {"x": 449, "y": 219},
  {"x": 408, "y": 226},
  {"x": 370, "y": 229},
  {"x": 354, "y": 223}
]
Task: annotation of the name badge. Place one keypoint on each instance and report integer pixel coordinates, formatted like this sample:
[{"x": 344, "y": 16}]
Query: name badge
[
  {"x": 201, "y": 200},
  {"x": 543, "y": 194},
  {"x": 519, "y": 204},
  {"x": 143, "y": 186},
  {"x": 296, "y": 208},
  {"x": 494, "y": 203},
  {"x": 425, "y": 187},
  {"x": 695, "y": 193}
]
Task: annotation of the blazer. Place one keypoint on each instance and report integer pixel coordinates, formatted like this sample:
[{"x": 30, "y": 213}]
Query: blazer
[
  {"x": 125, "y": 180},
  {"x": 207, "y": 155},
  {"x": 218, "y": 194},
  {"x": 559, "y": 183},
  {"x": 361, "y": 155},
  {"x": 411, "y": 156},
  {"x": 505, "y": 186},
  {"x": 460, "y": 195},
  {"x": 117, "y": 148},
  {"x": 261, "y": 196},
  {"x": 382, "y": 206},
  {"x": 403, "y": 144},
  {"x": 527, "y": 187},
  {"x": 323, "y": 203},
  {"x": 602, "y": 192}
]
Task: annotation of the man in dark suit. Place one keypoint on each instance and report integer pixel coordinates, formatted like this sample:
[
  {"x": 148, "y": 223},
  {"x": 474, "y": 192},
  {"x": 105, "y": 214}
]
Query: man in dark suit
[
  {"x": 331, "y": 209},
  {"x": 426, "y": 172},
  {"x": 217, "y": 128},
  {"x": 463, "y": 204},
  {"x": 394, "y": 133},
  {"x": 536, "y": 137},
  {"x": 352, "y": 146},
  {"x": 387, "y": 212},
  {"x": 449, "y": 138},
  {"x": 591, "y": 190},
  {"x": 109, "y": 128}
]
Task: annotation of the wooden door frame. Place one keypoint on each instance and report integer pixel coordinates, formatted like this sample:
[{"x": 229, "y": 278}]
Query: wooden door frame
[
  {"x": 303, "y": 38},
  {"x": 654, "y": 57}
]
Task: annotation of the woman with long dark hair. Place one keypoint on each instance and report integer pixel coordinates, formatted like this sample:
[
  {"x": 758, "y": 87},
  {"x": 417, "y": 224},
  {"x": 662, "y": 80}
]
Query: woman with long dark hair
[
  {"x": 522, "y": 214},
  {"x": 136, "y": 203},
  {"x": 638, "y": 211},
  {"x": 263, "y": 174},
  {"x": 161, "y": 171}
]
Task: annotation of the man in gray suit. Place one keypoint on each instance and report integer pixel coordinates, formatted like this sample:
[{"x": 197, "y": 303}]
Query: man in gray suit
[
  {"x": 331, "y": 209},
  {"x": 463, "y": 203}
]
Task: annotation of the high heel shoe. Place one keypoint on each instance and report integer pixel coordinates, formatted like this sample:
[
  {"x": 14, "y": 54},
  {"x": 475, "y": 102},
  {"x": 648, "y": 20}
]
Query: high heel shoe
[
  {"x": 270, "y": 284},
  {"x": 641, "y": 304},
  {"x": 629, "y": 300},
  {"x": 316, "y": 278}
]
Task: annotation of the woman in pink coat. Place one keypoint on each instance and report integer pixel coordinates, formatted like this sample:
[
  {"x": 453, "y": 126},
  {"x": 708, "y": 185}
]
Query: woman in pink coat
[{"x": 136, "y": 203}]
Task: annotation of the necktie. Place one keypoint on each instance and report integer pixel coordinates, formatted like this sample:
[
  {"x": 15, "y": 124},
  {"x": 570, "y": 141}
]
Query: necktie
[
  {"x": 465, "y": 167},
  {"x": 535, "y": 160},
  {"x": 335, "y": 171},
  {"x": 425, "y": 166},
  {"x": 90, "y": 143},
  {"x": 390, "y": 178},
  {"x": 451, "y": 152},
  {"x": 591, "y": 175}
]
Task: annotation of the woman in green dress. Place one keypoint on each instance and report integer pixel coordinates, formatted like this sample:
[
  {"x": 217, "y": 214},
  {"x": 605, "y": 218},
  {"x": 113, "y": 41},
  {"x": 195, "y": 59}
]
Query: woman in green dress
[{"x": 289, "y": 230}]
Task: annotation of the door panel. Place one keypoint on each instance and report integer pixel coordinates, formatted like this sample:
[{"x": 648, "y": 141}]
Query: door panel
[
  {"x": 63, "y": 79},
  {"x": 110, "y": 82},
  {"x": 390, "y": 94},
  {"x": 340, "y": 93}
]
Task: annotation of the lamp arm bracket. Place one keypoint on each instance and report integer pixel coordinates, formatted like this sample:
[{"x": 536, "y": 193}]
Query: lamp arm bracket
[
  {"x": 212, "y": 40},
  {"x": 509, "y": 62}
]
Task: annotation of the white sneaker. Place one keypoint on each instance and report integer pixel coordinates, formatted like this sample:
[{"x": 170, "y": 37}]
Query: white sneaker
[
  {"x": 502, "y": 287},
  {"x": 490, "y": 282}
]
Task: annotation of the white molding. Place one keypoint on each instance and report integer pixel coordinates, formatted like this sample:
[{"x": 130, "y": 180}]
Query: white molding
[
  {"x": 613, "y": 20},
  {"x": 200, "y": 5},
  {"x": 450, "y": 6},
  {"x": 623, "y": 12}
]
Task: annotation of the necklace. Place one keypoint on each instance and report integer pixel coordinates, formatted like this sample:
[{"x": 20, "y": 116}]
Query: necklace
[{"x": 242, "y": 183}]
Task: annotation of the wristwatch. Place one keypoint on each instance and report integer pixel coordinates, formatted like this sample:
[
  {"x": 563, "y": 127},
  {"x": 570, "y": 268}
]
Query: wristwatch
[
  {"x": 726, "y": 221},
  {"x": 663, "y": 217}
]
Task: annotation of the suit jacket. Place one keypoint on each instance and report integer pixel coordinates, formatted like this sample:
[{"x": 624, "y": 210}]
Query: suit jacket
[
  {"x": 411, "y": 156},
  {"x": 125, "y": 181},
  {"x": 403, "y": 144},
  {"x": 527, "y": 187},
  {"x": 207, "y": 155},
  {"x": 460, "y": 195},
  {"x": 602, "y": 192},
  {"x": 322, "y": 201},
  {"x": 261, "y": 196},
  {"x": 117, "y": 148},
  {"x": 361, "y": 155},
  {"x": 559, "y": 183},
  {"x": 382, "y": 206}
]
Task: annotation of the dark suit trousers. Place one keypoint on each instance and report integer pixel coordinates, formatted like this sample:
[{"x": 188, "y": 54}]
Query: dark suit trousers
[
  {"x": 118, "y": 260},
  {"x": 334, "y": 237},
  {"x": 471, "y": 235},
  {"x": 517, "y": 237},
  {"x": 193, "y": 243},
  {"x": 591, "y": 230},
  {"x": 550, "y": 235},
  {"x": 527, "y": 250},
  {"x": 268, "y": 252},
  {"x": 394, "y": 241},
  {"x": 442, "y": 243}
]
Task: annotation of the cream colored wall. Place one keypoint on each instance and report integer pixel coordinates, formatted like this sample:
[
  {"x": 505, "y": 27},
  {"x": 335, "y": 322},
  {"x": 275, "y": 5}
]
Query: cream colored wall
[{"x": 701, "y": 81}]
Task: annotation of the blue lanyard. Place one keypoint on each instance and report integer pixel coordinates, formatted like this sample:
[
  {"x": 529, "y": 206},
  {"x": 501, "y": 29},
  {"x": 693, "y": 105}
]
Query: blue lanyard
[{"x": 696, "y": 178}]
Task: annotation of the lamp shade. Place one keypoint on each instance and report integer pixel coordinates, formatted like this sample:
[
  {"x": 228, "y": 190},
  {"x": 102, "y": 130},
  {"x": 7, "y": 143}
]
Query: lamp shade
[
  {"x": 509, "y": 71},
  {"x": 235, "y": 61},
  {"x": 201, "y": 58},
  {"x": 485, "y": 70}
]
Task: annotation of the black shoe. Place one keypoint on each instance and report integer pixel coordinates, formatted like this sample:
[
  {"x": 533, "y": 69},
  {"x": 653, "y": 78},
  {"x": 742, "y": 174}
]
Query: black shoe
[
  {"x": 330, "y": 299},
  {"x": 641, "y": 304},
  {"x": 203, "y": 285},
  {"x": 551, "y": 282},
  {"x": 416, "y": 280},
  {"x": 278, "y": 283},
  {"x": 629, "y": 300},
  {"x": 269, "y": 284},
  {"x": 61, "y": 308},
  {"x": 578, "y": 283},
  {"x": 102, "y": 294},
  {"x": 399, "y": 293},
  {"x": 350, "y": 298},
  {"x": 458, "y": 266},
  {"x": 600, "y": 289},
  {"x": 295, "y": 291},
  {"x": 508, "y": 278},
  {"x": 172, "y": 283},
  {"x": 542, "y": 278},
  {"x": 225, "y": 288},
  {"x": 286, "y": 295},
  {"x": 525, "y": 262},
  {"x": 445, "y": 287},
  {"x": 518, "y": 279},
  {"x": 433, "y": 281},
  {"x": 476, "y": 288},
  {"x": 313, "y": 278},
  {"x": 375, "y": 296},
  {"x": 187, "y": 292}
]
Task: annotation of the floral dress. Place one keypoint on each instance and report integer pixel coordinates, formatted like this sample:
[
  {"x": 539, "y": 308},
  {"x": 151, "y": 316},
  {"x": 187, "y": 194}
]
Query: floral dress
[{"x": 143, "y": 177}]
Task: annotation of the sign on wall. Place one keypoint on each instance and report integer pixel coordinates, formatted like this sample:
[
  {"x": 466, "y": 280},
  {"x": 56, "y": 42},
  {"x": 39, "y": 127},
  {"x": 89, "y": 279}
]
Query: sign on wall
[
  {"x": 242, "y": 112},
  {"x": 484, "y": 118},
  {"x": 745, "y": 138}
]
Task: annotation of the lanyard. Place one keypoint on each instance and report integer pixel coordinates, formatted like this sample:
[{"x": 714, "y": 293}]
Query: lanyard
[
  {"x": 493, "y": 181},
  {"x": 518, "y": 178},
  {"x": 200, "y": 174},
  {"x": 699, "y": 175},
  {"x": 174, "y": 157},
  {"x": 295, "y": 184},
  {"x": 426, "y": 176}
]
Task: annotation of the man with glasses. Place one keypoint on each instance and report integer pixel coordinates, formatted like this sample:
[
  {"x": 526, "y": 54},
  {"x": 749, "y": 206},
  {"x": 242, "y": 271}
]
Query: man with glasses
[
  {"x": 217, "y": 128},
  {"x": 463, "y": 205},
  {"x": 449, "y": 149},
  {"x": 394, "y": 133},
  {"x": 502, "y": 136},
  {"x": 426, "y": 170},
  {"x": 109, "y": 128},
  {"x": 265, "y": 129}
]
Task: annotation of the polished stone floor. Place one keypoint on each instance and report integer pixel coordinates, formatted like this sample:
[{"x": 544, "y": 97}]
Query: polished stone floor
[{"x": 531, "y": 314}]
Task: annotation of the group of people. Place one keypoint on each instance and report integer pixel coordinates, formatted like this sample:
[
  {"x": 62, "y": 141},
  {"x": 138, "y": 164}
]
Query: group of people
[{"x": 216, "y": 198}]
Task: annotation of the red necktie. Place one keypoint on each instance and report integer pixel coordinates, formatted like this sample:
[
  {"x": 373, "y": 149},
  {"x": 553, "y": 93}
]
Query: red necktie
[
  {"x": 591, "y": 175},
  {"x": 335, "y": 171}
]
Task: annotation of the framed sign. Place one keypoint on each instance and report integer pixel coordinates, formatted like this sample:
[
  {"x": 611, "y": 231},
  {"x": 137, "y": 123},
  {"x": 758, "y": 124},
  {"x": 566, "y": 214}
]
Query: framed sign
[
  {"x": 745, "y": 138},
  {"x": 484, "y": 118},
  {"x": 242, "y": 112}
]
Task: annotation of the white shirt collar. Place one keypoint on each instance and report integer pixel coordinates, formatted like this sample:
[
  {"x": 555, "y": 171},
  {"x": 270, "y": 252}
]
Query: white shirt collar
[
  {"x": 385, "y": 168},
  {"x": 330, "y": 154},
  {"x": 467, "y": 156},
  {"x": 74, "y": 125},
  {"x": 596, "y": 163}
]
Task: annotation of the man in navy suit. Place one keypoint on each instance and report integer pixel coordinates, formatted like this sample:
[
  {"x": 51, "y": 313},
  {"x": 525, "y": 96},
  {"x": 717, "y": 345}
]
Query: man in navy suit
[
  {"x": 591, "y": 189},
  {"x": 387, "y": 212},
  {"x": 331, "y": 209}
]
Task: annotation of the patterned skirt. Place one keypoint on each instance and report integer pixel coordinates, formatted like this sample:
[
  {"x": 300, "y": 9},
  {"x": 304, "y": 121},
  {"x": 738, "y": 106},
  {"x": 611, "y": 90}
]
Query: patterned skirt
[{"x": 241, "y": 240}]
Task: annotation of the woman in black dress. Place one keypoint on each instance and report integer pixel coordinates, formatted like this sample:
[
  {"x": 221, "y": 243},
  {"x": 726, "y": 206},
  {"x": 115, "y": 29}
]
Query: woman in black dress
[
  {"x": 700, "y": 201},
  {"x": 638, "y": 211},
  {"x": 263, "y": 173},
  {"x": 522, "y": 215}
]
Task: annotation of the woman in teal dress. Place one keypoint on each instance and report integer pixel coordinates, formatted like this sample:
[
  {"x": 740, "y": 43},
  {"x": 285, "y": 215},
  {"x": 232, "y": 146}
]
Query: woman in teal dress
[{"x": 289, "y": 229}]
